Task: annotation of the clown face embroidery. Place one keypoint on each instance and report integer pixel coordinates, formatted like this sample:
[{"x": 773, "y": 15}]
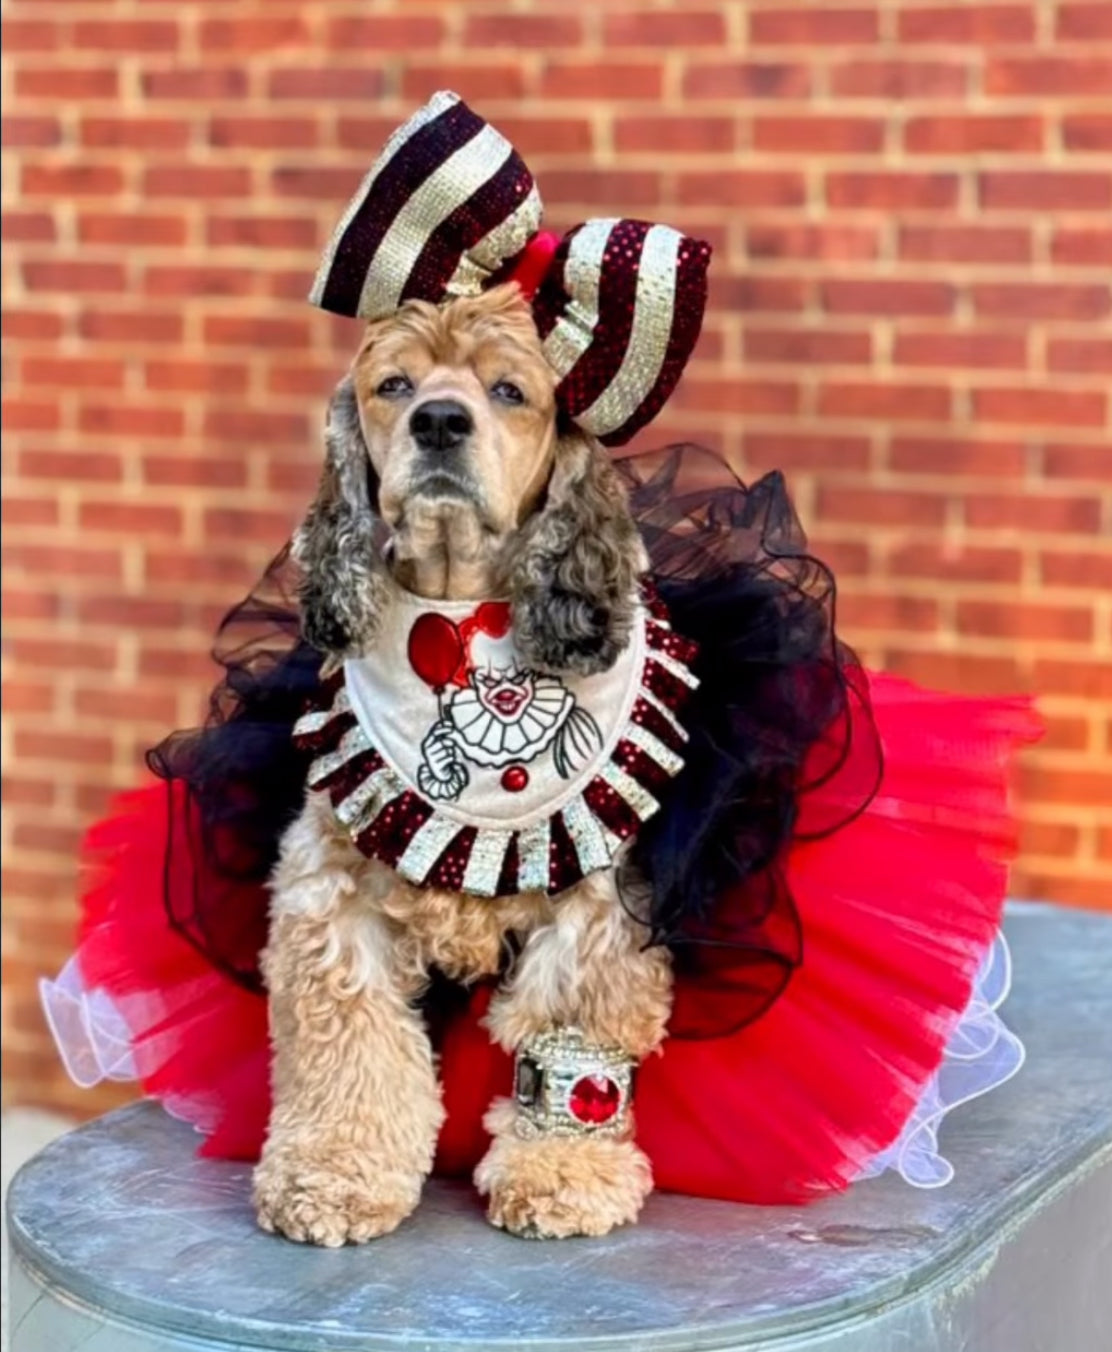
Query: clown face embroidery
[{"x": 491, "y": 710}]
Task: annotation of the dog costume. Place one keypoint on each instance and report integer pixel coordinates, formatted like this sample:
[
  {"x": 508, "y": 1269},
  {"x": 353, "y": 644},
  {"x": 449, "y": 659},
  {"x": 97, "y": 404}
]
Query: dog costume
[{"x": 823, "y": 849}]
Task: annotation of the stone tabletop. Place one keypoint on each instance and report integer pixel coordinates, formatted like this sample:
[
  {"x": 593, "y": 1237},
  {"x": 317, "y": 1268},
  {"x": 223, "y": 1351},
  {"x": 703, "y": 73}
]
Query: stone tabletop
[{"x": 123, "y": 1217}]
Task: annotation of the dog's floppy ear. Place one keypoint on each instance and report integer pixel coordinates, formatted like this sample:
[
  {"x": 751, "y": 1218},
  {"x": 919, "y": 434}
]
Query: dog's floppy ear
[
  {"x": 572, "y": 569},
  {"x": 344, "y": 582}
]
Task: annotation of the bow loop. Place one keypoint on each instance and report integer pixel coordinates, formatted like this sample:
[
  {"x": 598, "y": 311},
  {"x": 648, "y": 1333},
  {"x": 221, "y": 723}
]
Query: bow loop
[{"x": 450, "y": 208}]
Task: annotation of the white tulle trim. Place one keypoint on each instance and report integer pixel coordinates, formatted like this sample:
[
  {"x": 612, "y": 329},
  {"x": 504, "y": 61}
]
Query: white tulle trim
[
  {"x": 93, "y": 1039},
  {"x": 981, "y": 1055}
]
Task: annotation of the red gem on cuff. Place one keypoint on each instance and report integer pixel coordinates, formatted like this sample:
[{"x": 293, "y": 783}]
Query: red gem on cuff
[
  {"x": 594, "y": 1099},
  {"x": 515, "y": 778}
]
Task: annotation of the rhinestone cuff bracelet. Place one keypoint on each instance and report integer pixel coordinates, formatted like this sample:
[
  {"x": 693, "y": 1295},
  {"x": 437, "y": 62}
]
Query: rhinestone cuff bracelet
[{"x": 567, "y": 1086}]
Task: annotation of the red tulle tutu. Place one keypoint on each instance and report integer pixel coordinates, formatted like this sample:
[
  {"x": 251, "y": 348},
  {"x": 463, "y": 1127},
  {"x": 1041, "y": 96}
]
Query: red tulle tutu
[{"x": 897, "y": 909}]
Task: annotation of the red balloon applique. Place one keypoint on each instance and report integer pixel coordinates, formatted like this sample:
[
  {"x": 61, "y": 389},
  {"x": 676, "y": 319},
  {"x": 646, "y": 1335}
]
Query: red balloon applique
[{"x": 435, "y": 650}]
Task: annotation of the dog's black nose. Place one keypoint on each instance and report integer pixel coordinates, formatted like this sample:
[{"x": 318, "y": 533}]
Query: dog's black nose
[{"x": 440, "y": 425}]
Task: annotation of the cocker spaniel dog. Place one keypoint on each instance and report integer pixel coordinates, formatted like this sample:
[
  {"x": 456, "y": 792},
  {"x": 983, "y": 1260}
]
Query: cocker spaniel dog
[{"x": 449, "y": 476}]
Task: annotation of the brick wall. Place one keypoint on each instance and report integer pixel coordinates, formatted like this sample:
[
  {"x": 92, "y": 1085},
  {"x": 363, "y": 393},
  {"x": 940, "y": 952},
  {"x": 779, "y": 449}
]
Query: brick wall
[{"x": 912, "y": 211}]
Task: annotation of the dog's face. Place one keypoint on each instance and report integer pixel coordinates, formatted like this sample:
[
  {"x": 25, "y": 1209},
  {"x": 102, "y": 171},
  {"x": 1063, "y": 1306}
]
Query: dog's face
[{"x": 457, "y": 411}]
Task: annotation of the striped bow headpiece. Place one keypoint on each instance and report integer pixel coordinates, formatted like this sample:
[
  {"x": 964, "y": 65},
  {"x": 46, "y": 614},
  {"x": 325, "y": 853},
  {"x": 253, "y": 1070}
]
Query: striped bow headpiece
[{"x": 450, "y": 208}]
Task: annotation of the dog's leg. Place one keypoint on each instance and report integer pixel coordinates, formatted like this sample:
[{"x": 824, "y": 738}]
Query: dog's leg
[
  {"x": 588, "y": 969},
  {"x": 357, "y": 1106}
]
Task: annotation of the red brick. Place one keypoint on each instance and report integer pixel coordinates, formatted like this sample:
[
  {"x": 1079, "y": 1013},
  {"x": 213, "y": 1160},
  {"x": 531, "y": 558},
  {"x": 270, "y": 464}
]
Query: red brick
[
  {"x": 22, "y": 604},
  {"x": 59, "y": 181},
  {"x": 1084, "y": 680},
  {"x": 201, "y": 82},
  {"x": 126, "y": 706},
  {"x": 30, "y": 131},
  {"x": 818, "y": 134},
  {"x": 65, "y": 561},
  {"x": 316, "y": 382},
  {"x": 965, "y": 243},
  {"x": 72, "y": 466},
  {"x": 327, "y": 82},
  {"x": 746, "y": 80},
  {"x": 814, "y": 25},
  {"x": 957, "y": 457},
  {"x": 29, "y": 35},
  {"x": 547, "y": 135},
  {"x": 862, "y": 610},
  {"x": 959, "y": 349},
  {"x": 263, "y": 232},
  {"x": 131, "y": 612},
  {"x": 28, "y": 792},
  {"x": 228, "y": 331},
  {"x": 367, "y": 134},
  {"x": 522, "y": 30},
  {"x": 25, "y": 415},
  {"x": 968, "y": 22},
  {"x": 973, "y": 134},
  {"x": 227, "y": 571},
  {"x": 861, "y": 399},
  {"x": 28, "y": 227},
  {"x": 197, "y": 180},
  {"x": 254, "y": 425},
  {"x": 61, "y": 654},
  {"x": 881, "y": 296},
  {"x": 252, "y": 36},
  {"x": 183, "y": 471},
  {"x": 67, "y": 372},
  {"x": 315, "y": 183},
  {"x": 1088, "y": 246},
  {"x": 660, "y": 135},
  {"x": 1044, "y": 513},
  {"x": 58, "y": 83},
  {"x": 1052, "y": 407},
  {"x": 780, "y": 295},
  {"x": 265, "y": 133},
  {"x": 1045, "y": 190},
  {"x": 737, "y": 396},
  {"x": 1048, "y": 75},
  {"x": 742, "y": 188},
  {"x": 1041, "y": 300},
  {"x": 134, "y": 228},
  {"x": 801, "y": 239},
  {"x": 1077, "y": 568},
  {"x": 1064, "y": 733},
  {"x": 31, "y": 324},
  {"x": 1087, "y": 131},
  {"x": 62, "y": 746},
  {"x": 806, "y": 450},
  {"x": 296, "y": 476},
  {"x": 386, "y": 32},
  {"x": 130, "y": 326},
  {"x": 1093, "y": 355},
  {"x": 59, "y": 275},
  {"x": 137, "y": 35},
  {"x": 1089, "y": 19},
  {"x": 879, "y": 506},
  {"x": 203, "y": 279},
  {"x": 130, "y": 518},
  {"x": 128, "y": 420},
  {"x": 585, "y": 79},
  {"x": 974, "y": 673},
  {"x": 954, "y": 563},
  {"x": 1049, "y": 838},
  {"x": 1025, "y": 621},
  {"x": 1062, "y": 889},
  {"x": 177, "y": 664},
  {"x": 615, "y": 189},
  {"x": 234, "y": 523},
  {"x": 135, "y": 133},
  {"x": 899, "y": 78},
  {"x": 892, "y": 190},
  {"x": 196, "y": 376},
  {"x": 807, "y": 346},
  {"x": 1078, "y": 462}
]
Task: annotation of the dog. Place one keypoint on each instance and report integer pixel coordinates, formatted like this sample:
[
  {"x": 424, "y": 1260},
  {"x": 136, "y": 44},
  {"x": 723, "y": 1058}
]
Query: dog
[{"x": 450, "y": 475}]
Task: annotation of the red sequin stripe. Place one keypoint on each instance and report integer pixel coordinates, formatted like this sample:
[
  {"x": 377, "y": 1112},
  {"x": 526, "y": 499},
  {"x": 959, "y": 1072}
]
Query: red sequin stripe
[
  {"x": 346, "y": 778},
  {"x": 617, "y": 297},
  {"x": 507, "y": 879},
  {"x": 551, "y": 299},
  {"x": 661, "y": 640},
  {"x": 328, "y": 737},
  {"x": 564, "y": 869},
  {"x": 670, "y": 690},
  {"x": 395, "y": 826},
  {"x": 449, "y": 869},
  {"x": 639, "y": 765},
  {"x": 611, "y": 808},
  {"x": 687, "y": 319},
  {"x": 649, "y": 717}
]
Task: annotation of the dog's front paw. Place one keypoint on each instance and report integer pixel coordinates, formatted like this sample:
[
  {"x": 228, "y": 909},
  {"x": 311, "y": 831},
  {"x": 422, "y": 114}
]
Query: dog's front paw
[
  {"x": 553, "y": 1187},
  {"x": 331, "y": 1198}
]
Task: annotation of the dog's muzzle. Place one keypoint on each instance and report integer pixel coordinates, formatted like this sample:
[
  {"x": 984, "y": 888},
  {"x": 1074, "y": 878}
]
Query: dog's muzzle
[{"x": 567, "y": 1086}]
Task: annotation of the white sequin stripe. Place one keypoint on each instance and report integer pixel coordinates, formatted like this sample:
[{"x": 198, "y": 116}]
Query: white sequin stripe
[
  {"x": 351, "y": 744},
  {"x": 658, "y": 704},
  {"x": 648, "y": 339},
  {"x": 574, "y": 331},
  {"x": 678, "y": 670},
  {"x": 426, "y": 847},
  {"x": 636, "y": 795},
  {"x": 432, "y": 110},
  {"x": 507, "y": 238},
  {"x": 313, "y": 722},
  {"x": 654, "y": 748},
  {"x": 532, "y": 857},
  {"x": 368, "y": 798},
  {"x": 484, "y": 867},
  {"x": 448, "y": 187},
  {"x": 589, "y": 836}
]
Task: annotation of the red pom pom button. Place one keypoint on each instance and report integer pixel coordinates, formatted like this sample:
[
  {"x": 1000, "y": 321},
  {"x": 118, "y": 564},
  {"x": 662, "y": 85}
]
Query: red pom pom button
[
  {"x": 594, "y": 1099},
  {"x": 515, "y": 778}
]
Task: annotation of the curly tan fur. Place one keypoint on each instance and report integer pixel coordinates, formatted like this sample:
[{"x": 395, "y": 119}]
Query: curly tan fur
[{"x": 357, "y": 1106}]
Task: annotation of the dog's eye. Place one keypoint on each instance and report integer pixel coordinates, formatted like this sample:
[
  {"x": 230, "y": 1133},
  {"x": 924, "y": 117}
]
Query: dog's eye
[
  {"x": 393, "y": 387},
  {"x": 506, "y": 392}
]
